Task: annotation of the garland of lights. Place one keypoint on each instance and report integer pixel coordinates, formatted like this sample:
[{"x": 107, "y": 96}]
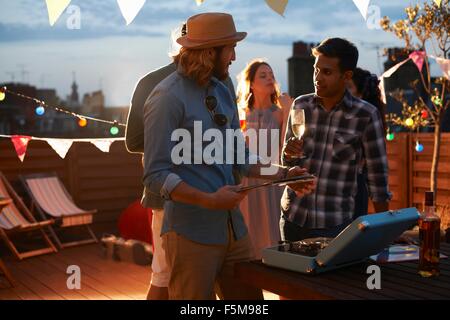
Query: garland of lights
[{"x": 42, "y": 105}]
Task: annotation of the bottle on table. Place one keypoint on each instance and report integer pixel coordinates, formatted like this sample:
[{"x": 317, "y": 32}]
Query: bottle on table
[{"x": 430, "y": 233}]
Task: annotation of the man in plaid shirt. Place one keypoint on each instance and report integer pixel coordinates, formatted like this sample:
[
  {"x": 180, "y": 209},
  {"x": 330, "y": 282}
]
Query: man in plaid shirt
[{"x": 340, "y": 131}]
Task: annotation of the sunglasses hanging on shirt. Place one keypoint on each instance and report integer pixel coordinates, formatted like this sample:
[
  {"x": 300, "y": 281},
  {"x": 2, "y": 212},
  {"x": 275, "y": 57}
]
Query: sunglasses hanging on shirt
[{"x": 211, "y": 103}]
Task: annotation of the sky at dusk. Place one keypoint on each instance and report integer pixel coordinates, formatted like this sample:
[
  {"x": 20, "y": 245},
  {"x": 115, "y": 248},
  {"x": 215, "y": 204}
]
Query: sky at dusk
[{"x": 105, "y": 53}]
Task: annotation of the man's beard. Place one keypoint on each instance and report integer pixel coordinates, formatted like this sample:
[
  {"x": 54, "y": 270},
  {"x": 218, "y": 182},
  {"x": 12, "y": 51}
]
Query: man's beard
[{"x": 220, "y": 72}]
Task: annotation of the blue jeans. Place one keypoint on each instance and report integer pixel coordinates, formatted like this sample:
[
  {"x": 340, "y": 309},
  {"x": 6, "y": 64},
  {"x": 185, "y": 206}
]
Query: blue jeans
[{"x": 291, "y": 231}]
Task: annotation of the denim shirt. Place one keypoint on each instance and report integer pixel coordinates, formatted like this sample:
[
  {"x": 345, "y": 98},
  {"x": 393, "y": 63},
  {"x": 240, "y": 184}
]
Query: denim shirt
[{"x": 175, "y": 104}]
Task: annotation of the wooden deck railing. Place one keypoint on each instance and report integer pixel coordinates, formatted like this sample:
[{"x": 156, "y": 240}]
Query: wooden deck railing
[{"x": 110, "y": 181}]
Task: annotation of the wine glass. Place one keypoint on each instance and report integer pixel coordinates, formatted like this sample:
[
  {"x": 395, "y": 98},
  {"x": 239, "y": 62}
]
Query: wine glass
[
  {"x": 298, "y": 125},
  {"x": 242, "y": 119}
]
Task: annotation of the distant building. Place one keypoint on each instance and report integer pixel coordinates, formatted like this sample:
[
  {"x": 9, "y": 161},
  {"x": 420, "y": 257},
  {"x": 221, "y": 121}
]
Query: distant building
[
  {"x": 93, "y": 103},
  {"x": 301, "y": 69},
  {"x": 17, "y": 115},
  {"x": 73, "y": 100}
]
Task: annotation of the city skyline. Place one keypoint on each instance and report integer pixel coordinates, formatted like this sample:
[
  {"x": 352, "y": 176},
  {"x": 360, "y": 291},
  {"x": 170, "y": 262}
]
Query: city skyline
[{"x": 106, "y": 54}]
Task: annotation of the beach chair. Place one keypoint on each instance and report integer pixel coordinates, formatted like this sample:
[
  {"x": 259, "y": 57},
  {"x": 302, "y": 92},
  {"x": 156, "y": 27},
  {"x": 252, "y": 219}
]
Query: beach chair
[
  {"x": 50, "y": 198},
  {"x": 15, "y": 218}
]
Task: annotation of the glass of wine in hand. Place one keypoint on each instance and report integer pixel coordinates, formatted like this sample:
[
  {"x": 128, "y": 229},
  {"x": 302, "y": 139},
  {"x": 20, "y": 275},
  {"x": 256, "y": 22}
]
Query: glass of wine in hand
[{"x": 298, "y": 125}]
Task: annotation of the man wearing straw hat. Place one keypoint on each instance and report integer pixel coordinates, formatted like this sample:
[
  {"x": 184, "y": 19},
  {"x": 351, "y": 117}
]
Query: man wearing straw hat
[{"x": 203, "y": 232}]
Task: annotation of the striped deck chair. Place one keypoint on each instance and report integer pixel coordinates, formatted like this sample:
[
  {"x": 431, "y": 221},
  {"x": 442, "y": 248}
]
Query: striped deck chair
[
  {"x": 50, "y": 198},
  {"x": 15, "y": 218}
]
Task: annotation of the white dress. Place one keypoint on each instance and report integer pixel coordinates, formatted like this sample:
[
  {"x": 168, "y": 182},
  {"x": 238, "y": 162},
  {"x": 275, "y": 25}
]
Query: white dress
[{"x": 261, "y": 207}]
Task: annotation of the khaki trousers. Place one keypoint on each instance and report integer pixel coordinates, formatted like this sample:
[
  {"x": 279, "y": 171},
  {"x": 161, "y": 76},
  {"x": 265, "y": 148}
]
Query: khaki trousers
[{"x": 201, "y": 270}]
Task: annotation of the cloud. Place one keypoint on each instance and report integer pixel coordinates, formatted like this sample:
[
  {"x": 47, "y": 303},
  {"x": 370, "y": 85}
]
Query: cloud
[
  {"x": 106, "y": 48},
  {"x": 22, "y": 32},
  {"x": 308, "y": 19}
]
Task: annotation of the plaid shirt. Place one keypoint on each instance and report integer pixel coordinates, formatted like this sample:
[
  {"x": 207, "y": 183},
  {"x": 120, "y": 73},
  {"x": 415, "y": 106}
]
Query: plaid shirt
[{"x": 334, "y": 144}]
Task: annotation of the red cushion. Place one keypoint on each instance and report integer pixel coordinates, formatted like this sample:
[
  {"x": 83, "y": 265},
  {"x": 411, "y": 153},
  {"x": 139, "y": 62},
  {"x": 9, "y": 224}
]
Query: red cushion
[{"x": 135, "y": 223}]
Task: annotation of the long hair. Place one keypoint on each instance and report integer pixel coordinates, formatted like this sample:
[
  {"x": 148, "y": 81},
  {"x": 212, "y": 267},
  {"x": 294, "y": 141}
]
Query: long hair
[
  {"x": 245, "y": 98},
  {"x": 367, "y": 86},
  {"x": 197, "y": 64}
]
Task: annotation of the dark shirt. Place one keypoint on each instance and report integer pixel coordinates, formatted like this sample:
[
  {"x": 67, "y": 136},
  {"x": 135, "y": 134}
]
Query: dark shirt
[{"x": 334, "y": 143}]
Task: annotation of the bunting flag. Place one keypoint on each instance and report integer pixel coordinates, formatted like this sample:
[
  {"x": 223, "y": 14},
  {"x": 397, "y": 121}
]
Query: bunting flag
[
  {"x": 103, "y": 144},
  {"x": 387, "y": 74},
  {"x": 444, "y": 64},
  {"x": 382, "y": 90},
  {"x": 55, "y": 8},
  {"x": 279, "y": 6},
  {"x": 363, "y": 7},
  {"x": 418, "y": 57},
  {"x": 20, "y": 144},
  {"x": 61, "y": 146},
  {"x": 199, "y": 2},
  {"x": 438, "y": 2},
  {"x": 130, "y": 8}
]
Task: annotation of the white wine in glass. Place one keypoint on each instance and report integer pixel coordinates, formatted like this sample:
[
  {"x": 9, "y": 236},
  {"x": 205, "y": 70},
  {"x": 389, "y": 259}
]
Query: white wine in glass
[{"x": 298, "y": 125}]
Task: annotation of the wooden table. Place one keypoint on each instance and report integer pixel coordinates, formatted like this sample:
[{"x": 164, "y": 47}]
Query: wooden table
[
  {"x": 398, "y": 281},
  {"x": 3, "y": 203}
]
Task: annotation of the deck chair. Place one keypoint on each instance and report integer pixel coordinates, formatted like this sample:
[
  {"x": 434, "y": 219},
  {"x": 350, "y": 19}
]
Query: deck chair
[
  {"x": 50, "y": 198},
  {"x": 15, "y": 218}
]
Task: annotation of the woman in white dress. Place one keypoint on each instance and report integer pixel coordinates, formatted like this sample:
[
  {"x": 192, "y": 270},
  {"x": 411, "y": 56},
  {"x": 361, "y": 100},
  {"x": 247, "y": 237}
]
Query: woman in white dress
[{"x": 264, "y": 108}]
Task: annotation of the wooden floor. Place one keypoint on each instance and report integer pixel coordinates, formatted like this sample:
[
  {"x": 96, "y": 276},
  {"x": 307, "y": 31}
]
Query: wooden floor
[{"x": 45, "y": 277}]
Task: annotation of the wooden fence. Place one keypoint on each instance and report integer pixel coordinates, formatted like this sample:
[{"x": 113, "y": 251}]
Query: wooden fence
[
  {"x": 409, "y": 170},
  {"x": 111, "y": 181},
  {"x": 108, "y": 182}
]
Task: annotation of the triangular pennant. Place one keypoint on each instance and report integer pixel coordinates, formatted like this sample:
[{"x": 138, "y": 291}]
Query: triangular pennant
[
  {"x": 130, "y": 8},
  {"x": 61, "y": 146},
  {"x": 418, "y": 57},
  {"x": 20, "y": 144},
  {"x": 199, "y": 2},
  {"x": 382, "y": 90},
  {"x": 438, "y": 2},
  {"x": 279, "y": 6},
  {"x": 445, "y": 66},
  {"x": 55, "y": 8},
  {"x": 102, "y": 145},
  {"x": 363, "y": 7},
  {"x": 391, "y": 71}
]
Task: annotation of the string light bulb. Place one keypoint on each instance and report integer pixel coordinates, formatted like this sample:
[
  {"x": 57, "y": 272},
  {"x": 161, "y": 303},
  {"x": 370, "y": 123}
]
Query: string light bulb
[
  {"x": 82, "y": 122},
  {"x": 419, "y": 146},
  {"x": 114, "y": 129},
  {"x": 409, "y": 122},
  {"x": 42, "y": 106},
  {"x": 390, "y": 136},
  {"x": 2, "y": 93},
  {"x": 436, "y": 100},
  {"x": 40, "y": 110},
  {"x": 424, "y": 114}
]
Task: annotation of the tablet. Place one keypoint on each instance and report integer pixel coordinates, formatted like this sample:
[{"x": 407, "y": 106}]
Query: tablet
[{"x": 304, "y": 179}]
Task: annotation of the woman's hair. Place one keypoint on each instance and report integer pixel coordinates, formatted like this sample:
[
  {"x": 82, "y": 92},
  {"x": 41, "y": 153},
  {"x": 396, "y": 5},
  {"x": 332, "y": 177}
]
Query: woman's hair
[
  {"x": 245, "y": 98},
  {"x": 174, "y": 48},
  {"x": 198, "y": 64},
  {"x": 367, "y": 86}
]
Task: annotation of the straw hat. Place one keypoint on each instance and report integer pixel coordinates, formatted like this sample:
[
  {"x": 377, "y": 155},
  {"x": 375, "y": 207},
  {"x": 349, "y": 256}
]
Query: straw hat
[{"x": 207, "y": 30}]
